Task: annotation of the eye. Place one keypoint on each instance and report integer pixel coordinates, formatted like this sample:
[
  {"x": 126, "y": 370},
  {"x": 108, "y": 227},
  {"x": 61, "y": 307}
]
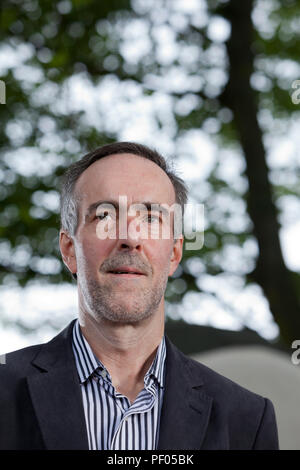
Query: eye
[
  {"x": 151, "y": 216},
  {"x": 102, "y": 216}
]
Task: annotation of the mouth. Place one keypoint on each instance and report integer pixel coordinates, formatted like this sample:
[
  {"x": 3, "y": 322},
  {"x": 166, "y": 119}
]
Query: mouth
[
  {"x": 126, "y": 272},
  {"x": 125, "y": 275}
]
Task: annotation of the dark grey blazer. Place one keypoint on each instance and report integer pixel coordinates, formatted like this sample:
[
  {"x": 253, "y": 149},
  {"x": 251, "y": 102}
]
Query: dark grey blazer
[{"x": 41, "y": 404}]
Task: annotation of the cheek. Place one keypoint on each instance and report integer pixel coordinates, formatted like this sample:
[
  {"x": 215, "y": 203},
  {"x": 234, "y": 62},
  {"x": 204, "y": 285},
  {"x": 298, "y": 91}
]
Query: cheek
[
  {"x": 161, "y": 255},
  {"x": 91, "y": 253}
]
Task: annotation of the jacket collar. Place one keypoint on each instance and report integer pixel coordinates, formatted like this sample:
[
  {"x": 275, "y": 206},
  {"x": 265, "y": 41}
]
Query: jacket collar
[{"x": 55, "y": 391}]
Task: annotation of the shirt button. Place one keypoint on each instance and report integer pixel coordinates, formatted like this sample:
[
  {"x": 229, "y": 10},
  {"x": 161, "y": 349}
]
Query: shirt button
[{"x": 103, "y": 374}]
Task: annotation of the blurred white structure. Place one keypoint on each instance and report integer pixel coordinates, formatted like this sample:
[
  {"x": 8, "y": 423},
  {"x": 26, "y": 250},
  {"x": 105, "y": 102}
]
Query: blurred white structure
[{"x": 269, "y": 373}]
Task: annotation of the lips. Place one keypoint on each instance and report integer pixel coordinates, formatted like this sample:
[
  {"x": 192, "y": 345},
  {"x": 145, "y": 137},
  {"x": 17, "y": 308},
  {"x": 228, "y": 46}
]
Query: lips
[{"x": 122, "y": 270}]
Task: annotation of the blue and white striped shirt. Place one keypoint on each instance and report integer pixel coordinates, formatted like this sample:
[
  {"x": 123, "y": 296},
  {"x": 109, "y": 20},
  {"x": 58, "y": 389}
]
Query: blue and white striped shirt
[{"x": 112, "y": 422}]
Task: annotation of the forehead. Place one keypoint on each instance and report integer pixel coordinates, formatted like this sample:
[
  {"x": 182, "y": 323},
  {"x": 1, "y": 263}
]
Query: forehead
[{"x": 124, "y": 174}]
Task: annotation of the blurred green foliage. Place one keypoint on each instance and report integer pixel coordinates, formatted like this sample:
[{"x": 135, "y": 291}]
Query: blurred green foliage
[{"x": 80, "y": 37}]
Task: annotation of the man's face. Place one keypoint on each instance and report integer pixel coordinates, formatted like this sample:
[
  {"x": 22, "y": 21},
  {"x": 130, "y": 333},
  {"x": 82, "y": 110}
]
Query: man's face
[{"x": 119, "y": 297}]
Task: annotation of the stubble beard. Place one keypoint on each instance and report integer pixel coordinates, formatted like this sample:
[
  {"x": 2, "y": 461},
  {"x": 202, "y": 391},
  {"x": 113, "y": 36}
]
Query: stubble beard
[{"x": 104, "y": 301}]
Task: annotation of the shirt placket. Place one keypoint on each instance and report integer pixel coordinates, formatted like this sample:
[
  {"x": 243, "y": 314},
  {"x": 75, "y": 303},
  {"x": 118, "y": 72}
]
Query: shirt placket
[{"x": 128, "y": 413}]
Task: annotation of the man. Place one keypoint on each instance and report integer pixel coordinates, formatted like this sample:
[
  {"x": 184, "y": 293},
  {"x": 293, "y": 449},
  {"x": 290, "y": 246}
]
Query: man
[{"x": 112, "y": 379}]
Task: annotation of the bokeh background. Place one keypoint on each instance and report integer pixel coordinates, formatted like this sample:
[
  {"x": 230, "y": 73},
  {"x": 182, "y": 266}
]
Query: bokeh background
[{"x": 211, "y": 85}]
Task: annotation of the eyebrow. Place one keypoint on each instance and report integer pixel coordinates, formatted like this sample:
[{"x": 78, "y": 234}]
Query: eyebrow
[{"x": 92, "y": 207}]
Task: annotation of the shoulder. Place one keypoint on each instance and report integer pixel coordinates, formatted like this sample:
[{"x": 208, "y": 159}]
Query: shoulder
[
  {"x": 16, "y": 363},
  {"x": 15, "y": 367},
  {"x": 248, "y": 415},
  {"x": 226, "y": 393},
  {"x": 249, "y": 418}
]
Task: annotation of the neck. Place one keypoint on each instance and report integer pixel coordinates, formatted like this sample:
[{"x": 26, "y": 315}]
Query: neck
[{"x": 126, "y": 350}]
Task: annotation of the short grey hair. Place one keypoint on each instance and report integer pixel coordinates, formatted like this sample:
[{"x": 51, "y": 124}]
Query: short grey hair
[{"x": 69, "y": 201}]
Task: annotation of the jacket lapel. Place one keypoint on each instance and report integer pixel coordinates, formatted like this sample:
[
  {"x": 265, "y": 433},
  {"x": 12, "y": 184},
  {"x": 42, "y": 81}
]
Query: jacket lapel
[
  {"x": 56, "y": 396},
  {"x": 186, "y": 408}
]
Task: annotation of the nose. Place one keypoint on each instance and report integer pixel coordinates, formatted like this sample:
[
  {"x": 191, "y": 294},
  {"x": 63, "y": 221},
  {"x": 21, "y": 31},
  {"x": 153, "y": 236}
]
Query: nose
[{"x": 130, "y": 233}]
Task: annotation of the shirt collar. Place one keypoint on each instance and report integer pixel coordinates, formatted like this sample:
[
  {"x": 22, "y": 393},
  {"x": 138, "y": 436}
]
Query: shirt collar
[
  {"x": 87, "y": 363},
  {"x": 157, "y": 367}
]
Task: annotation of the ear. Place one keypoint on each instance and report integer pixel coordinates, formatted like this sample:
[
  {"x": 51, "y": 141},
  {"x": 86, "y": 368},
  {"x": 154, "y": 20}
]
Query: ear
[
  {"x": 67, "y": 249},
  {"x": 176, "y": 254}
]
